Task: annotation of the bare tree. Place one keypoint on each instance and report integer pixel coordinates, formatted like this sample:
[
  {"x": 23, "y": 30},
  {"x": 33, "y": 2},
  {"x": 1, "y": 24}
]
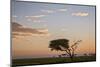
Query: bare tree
[{"x": 63, "y": 45}]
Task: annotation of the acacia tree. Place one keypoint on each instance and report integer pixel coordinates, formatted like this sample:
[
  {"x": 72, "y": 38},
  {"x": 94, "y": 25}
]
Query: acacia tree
[{"x": 63, "y": 45}]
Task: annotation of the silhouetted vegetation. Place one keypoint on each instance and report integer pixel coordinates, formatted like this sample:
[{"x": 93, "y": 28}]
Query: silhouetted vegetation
[
  {"x": 63, "y": 45},
  {"x": 51, "y": 60}
]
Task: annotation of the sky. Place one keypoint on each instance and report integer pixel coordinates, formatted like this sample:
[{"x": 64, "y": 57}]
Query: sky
[{"x": 34, "y": 25}]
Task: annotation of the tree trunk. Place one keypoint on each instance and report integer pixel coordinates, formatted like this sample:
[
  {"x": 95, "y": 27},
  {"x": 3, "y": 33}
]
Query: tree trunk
[{"x": 71, "y": 57}]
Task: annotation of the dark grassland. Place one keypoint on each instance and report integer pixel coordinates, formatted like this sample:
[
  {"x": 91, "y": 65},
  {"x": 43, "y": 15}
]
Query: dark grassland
[{"x": 38, "y": 61}]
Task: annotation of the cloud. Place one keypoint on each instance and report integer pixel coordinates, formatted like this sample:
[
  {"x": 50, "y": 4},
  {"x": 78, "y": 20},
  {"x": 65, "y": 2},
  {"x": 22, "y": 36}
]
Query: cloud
[
  {"x": 14, "y": 16},
  {"x": 16, "y": 25},
  {"x": 19, "y": 30},
  {"x": 63, "y": 29},
  {"x": 20, "y": 34},
  {"x": 62, "y": 10},
  {"x": 82, "y": 14},
  {"x": 35, "y": 20},
  {"x": 43, "y": 30},
  {"x": 28, "y": 19},
  {"x": 48, "y": 11},
  {"x": 45, "y": 25},
  {"x": 35, "y": 16},
  {"x": 38, "y": 21},
  {"x": 53, "y": 11}
]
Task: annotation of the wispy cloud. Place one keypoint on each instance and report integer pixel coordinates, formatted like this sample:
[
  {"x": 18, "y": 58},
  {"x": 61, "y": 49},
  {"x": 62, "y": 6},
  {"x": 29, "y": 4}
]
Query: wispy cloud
[
  {"x": 14, "y": 16},
  {"x": 62, "y": 10},
  {"x": 38, "y": 21},
  {"x": 19, "y": 30},
  {"x": 48, "y": 11},
  {"x": 63, "y": 29},
  {"x": 35, "y": 16},
  {"x": 17, "y": 34},
  {"x": 54, "y": 11},
  {"x": 80, "y": 14},
  {"x": 43, "y": 30}
]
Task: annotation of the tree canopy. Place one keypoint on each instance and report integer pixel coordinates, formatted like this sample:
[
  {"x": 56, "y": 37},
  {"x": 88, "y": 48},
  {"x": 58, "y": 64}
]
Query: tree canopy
[{"x": 59, "y": 44}]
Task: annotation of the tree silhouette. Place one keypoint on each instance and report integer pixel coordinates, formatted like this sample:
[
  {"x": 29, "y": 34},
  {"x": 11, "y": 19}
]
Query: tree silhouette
[{"x": 63, "y": 45}]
